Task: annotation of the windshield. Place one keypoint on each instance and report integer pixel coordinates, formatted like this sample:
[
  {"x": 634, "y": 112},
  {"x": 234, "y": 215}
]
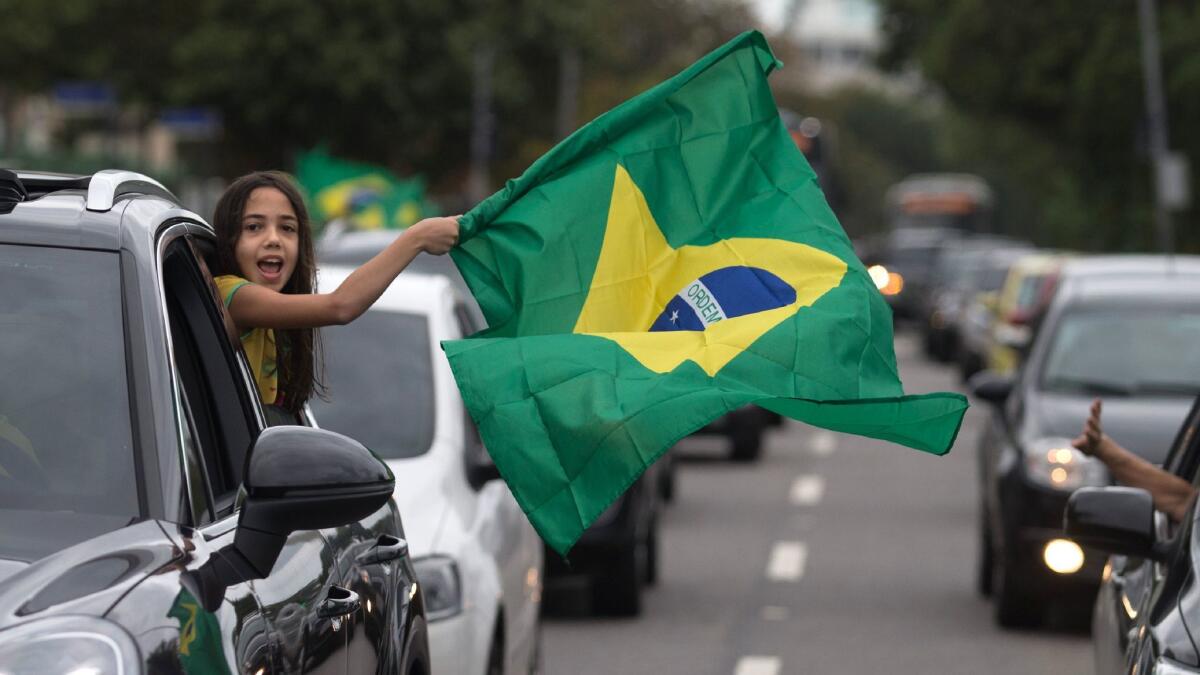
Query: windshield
[
  {"x": 379, "y": 375},
  {"x": 1152, "y": 350},
  {"x": 65, "y": 437}
]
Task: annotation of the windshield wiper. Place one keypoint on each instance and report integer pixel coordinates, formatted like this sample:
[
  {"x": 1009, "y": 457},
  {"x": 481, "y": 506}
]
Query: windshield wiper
[{"x": 1091, "y": 386}]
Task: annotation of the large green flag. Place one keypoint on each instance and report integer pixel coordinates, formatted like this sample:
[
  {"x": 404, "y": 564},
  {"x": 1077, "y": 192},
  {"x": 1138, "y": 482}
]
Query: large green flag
[{"x": 670, "y": 261}]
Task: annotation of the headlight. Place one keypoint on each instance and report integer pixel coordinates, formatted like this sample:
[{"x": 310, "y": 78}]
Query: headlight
[
  {"x": 68, "y": 645},
  {"x": 439, "y": 580},
  {"x": 1054, "y": 463}
]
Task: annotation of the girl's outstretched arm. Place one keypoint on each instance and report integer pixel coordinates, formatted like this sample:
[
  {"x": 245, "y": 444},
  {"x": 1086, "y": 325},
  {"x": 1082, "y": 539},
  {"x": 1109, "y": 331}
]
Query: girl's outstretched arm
[{"x": 255, "y": 306}]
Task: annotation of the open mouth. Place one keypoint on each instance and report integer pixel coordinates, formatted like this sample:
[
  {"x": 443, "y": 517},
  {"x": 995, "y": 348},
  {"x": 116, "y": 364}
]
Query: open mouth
[{"x": 271, "y": 268}]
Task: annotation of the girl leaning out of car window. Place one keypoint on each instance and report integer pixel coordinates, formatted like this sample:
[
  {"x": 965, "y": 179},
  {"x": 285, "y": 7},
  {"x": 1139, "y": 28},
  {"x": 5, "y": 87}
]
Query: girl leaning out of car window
[{"x": 265, "y": 271}]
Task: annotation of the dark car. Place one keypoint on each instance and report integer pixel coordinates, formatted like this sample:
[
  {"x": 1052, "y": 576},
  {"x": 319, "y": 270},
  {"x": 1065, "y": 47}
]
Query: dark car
[
  {"x": 1125, "y": 328},
  {"x": 961, "y": 270},
  {"x": 745, "y": 428},
  {"x": 619, "y": 553},
  {"x": 150, "y": 518},
  {"x": 1148, "y": 607}
]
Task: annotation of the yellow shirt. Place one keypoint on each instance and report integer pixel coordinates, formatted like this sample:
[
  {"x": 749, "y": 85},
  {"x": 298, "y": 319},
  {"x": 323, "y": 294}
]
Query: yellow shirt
[{"x": 259, "y": 344}]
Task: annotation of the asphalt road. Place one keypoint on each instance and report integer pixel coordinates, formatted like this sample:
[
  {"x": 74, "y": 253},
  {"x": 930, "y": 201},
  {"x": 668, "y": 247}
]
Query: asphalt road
[{"x": 834, "y": 554}]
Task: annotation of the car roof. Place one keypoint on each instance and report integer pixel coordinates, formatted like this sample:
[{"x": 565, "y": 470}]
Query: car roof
[
  {"x": 1129, "y": 277},
  {"x": 1131, "y": 265},
  {"x": 77, "y": 211},
  {"x": 410, "y": 292}
]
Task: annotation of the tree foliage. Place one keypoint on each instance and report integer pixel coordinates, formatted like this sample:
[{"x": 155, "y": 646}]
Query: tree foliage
[
  {"x": 384, "y": 81},
  {"x": 1055, "y": 88}
]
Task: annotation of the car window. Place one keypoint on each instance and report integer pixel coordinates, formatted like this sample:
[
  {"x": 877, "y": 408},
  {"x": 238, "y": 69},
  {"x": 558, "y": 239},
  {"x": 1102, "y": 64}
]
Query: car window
[
  {"x": 379, "y": 381},
  {"x": 66, "y": 441},
  {"x": 1183, "y": 459},
  {"x": 220, "y": 402},
  {"x": 1115, "y": 350}
]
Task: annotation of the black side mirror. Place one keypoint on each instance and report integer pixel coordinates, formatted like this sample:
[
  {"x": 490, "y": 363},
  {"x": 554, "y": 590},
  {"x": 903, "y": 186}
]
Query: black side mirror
[
  {"x": 1113, "y": 519},
  {"x": 991, "y": 386},
  {"x": 300, "y": 478}
]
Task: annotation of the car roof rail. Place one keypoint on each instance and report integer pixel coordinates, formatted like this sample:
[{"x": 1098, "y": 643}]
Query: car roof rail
[{"x": 106, "y": 186}]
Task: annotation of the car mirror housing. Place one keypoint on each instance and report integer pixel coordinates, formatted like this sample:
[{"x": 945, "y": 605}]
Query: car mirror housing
[
  {"x": 1116, "y": 520},
  {"x": 300, "y": 478},
  {"x": 991, "y": 386}
]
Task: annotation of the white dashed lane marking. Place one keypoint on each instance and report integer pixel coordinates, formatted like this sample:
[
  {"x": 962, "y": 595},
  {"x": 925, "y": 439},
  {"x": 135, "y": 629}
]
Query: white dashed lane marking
[
  {"x": 824, "y": 443},
  {"x": 787, "y": 561},
  {"x": 758, "y": 665},
  {"x": 807, "y": 490}
]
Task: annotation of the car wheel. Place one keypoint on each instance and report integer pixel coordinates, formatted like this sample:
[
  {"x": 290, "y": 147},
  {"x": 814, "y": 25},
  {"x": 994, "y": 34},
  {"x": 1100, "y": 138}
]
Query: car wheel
[
  {"x": 983, "y": 570},
  {"x": 617, "y": 591},
  {"x": 1014, "y": 606},
  {"x": 666, "y": 480},
  {"x": 652, "y": 555},
  {"x": 747, "y": 443}
]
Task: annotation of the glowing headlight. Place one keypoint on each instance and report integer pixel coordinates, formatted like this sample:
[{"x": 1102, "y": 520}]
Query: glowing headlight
[
  {"x": 1054, "y": 463},
  {"x": 879, "y": 275},
  {"x": 79, "y": 645},
  {"x": 441, "y": 583},
  {"x": 1063, "y": 556}
]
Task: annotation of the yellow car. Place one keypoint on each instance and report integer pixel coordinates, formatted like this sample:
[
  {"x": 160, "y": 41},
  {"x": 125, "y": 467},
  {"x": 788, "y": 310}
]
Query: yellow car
[{"x": 1024, "y": 296}]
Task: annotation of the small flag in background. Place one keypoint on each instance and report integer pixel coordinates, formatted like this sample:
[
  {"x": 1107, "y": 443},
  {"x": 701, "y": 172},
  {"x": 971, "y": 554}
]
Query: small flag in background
[
  {"x": 670, "y": 261},
  {"x": 363, "y": 196}
]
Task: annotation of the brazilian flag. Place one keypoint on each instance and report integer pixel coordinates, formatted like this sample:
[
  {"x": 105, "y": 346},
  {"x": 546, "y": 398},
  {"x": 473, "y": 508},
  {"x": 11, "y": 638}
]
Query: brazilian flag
[
  {"x": 667, "y": 263},
  {"x": 368, "y": 197}
]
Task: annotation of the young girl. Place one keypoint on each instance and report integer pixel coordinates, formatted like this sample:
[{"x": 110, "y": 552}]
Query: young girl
[{"x": 266, "y": 272}]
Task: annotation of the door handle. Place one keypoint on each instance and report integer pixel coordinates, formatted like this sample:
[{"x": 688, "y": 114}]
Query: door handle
[
  {"x": 338, "y": 602},
  {"x": 387, "y": 548}
]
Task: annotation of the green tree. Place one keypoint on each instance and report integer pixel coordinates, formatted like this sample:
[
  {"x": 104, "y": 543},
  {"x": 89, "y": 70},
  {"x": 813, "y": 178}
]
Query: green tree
[{"x": 1062, "y": 80}]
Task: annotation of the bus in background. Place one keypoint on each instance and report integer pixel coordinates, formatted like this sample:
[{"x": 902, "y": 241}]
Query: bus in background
[{"x": 924, "y": 213}]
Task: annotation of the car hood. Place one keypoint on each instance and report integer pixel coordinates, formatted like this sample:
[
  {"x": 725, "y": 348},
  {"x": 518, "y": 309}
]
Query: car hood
[
  {"x": 86, "y": 578},
  {"x": 1146, "y": 426}
]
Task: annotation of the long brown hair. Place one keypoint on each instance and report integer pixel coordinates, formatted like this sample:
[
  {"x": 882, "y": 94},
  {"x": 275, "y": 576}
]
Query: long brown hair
[{"x": 300, "y": 359}]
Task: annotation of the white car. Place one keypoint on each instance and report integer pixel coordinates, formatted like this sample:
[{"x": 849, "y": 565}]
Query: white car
[{"x": 477, "y": 558}]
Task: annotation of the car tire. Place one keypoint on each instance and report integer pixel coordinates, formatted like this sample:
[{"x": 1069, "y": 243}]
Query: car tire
[
  {"x": 987, "y": 556},
  {"x": 666, "y": 480},
  {"x": 1014, "y": 606},
  {"x": 617, "y": 591},
  {"x": 746, "y": 443},
  {"x": 652, "y": 551}
]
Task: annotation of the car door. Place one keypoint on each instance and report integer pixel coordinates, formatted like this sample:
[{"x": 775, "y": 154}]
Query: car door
[
  {"x": 302, "y": 606},
  {"x": 1133, "y": 590},
  {"x": 504, "y": 531}
]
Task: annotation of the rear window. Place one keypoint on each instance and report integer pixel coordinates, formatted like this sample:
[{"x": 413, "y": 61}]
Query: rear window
[
  {"x": 65, "y": 434},
  {"x": 379, "y": 375}
]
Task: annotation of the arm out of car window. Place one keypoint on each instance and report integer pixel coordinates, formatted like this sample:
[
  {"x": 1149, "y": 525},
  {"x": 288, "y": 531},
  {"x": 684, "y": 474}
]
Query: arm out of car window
[{"x": 1172, "y": 495}]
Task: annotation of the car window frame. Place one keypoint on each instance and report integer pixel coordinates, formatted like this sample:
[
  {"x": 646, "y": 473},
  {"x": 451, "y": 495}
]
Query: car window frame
[{"x": 179, "y": 238}]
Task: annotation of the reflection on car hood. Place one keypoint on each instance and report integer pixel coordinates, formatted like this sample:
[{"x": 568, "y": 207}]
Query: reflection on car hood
[
  {"x": 1146, "y": 426},
  {"x": 87, "y": 578}
]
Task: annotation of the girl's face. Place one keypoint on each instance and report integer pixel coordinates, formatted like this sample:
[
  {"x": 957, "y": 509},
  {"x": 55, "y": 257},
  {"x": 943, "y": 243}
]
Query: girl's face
[{"x": 269, "y": 242}]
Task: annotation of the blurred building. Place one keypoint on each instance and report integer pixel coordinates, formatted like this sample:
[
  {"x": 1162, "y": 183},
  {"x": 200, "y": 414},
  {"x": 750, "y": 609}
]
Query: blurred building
[{"x": 831, "y": 43}]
